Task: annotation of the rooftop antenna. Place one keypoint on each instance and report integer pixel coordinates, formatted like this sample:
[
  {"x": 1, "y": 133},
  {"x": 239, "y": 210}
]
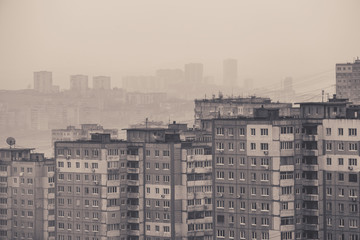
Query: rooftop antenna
[{"x": 10, "y": 141}]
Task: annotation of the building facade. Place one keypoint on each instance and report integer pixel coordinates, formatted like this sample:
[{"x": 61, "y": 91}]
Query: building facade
[
  {"x": 71, "y": 133},
  {"x": 287, "y": 178},
  {"x": 27, "y": 195},
  {"x": 235, "y": 107},
  {"x": 102, "y": 83},
  {"x": 348, "y": 81}
]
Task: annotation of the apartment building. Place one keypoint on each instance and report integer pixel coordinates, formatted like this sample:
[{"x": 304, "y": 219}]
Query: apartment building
[
  {"x": 235, "y": 107},
  {"x": 27, "y": 195},
  {"x": 348, "y": 80},
  {"x": 287, "y": 178},
  {"x": 71, "y": 133},
  {"x": 91, "y": 189},
  {"x": 199, "y": 187}
]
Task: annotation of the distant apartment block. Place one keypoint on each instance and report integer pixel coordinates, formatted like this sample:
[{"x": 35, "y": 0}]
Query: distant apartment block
[
  {"x": 79, "y": 83},
  {"x": 169, "y": 77},
  {"x": 348, "y": 81},
  {"x": 43, "y": 82},
  {"x": 230, "y": 73},
  {"x": 71, "y": 133},
  {"x": 138, "y": 98},
  {"x": 102, "y": 83},
  {"x": 140, "y": 83},
  {"x": 235, "y": 107},
  {"x": 193, "y": 73},
  {"x": 27, "y": 195}
]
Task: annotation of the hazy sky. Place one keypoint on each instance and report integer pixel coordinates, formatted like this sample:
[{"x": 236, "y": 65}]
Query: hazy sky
[{"x": 271, "y": 39}]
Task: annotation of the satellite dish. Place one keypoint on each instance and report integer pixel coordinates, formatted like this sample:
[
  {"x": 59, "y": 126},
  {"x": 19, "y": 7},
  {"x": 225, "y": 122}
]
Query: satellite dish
[{"x": 10, "y": 141}]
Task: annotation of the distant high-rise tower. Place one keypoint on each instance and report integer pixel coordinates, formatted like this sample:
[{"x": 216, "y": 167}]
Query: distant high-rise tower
[
  {"x": 288, "y": 84},
  {"x": 230, "y": 72},
  {"x": 43, "y": 81},
  {"x": 102, "y": 82},
  {"x": 79, "y": 83},
  {"x": 347, "y": 81},
  {"x": 194, "y": 72}
]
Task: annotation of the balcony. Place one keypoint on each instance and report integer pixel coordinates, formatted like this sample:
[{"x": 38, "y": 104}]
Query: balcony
[
  {"x": 133, "y": 207},
  {"x": 133, "y": 195},
  {"x": 310, "y": 167},
  {"x": 310, "y": 197},
  {"x": 3, "y": 184},
  {"x": 133, "y": 170},
  {"x": 311, "y": 212},
  {"x": 313, "y": 182},
  {"x": 133, "y": 182},
  {"x": 133, "y": 220},
  {"x": 311, "y": 152},
  {"x": 133, "y": 157},
  {"x": 311, "y": 227},
  {"x": 133, "y": 232},
  {"x": 310, "y": 138}
]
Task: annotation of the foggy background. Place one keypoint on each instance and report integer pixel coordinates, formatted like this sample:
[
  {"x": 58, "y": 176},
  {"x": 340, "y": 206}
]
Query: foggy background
[
  {"x": 285, "y": 50},
  {"x": 270, "y": 39}
]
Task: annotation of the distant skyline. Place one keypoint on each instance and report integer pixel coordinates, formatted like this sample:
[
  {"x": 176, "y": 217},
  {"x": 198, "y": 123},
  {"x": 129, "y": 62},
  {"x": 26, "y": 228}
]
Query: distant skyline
[{"x": 270, "y": 39}]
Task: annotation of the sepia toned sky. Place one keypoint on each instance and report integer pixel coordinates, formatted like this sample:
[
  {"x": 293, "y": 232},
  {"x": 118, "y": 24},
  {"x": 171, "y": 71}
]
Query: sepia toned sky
[{"x": 271, "y": 39}]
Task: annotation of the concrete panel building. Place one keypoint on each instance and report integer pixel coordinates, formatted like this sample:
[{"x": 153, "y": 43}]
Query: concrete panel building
[
  {"x": 27, "y": 195},
  {"x": 348, "y": 81}
]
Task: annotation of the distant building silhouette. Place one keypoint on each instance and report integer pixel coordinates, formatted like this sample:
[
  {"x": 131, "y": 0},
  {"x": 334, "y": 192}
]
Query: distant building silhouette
[
  {"x": 101, "y": 83},
  {"x": 79, "y": 83},
  {"x": 194, "y": 72},
  {"x": 230, "y": 72},
  {"x": 43, "y": 82}
]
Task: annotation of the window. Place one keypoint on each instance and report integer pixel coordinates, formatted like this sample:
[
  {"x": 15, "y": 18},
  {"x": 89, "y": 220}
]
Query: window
[
  {"x": 231, "y": 146},
  {"x": 340, "y": 131},
  {"x": 264, "y": 131},
  {"x": 352, "y": 131},
  {"x": 352, "y": 146},
  {"x": 220, "y": 146},
  {"x": 242, "y": 131},
  {"x": 219, "y": 160},
  {"x": 253, "y": 146},
  {"x": 328, "y": 146},
  {"x": 341, "y": 177},
  {"x": 253, "y": 161},
  {"x": 253, "y": 131},
  {"x": 352, "y": 177},
  {"x": 286, "y": 145},
  {"x": 219, "y": 131},
  {"x": 287, "y": 130},
  {"x": 328, "y": 131},
  {"x": 341, "y": 161},
  {"x": 219, "y": 175},
  {"x": 341, "y": 146},
  {"x": 328, "y": 161},
  {"x": 328, "y": 176},
  {"x": 242, "y": 146},
  {"x": 264, "y": 146},
  {"x": 352, "y": 162},
  {"x": 231, "y": 132}
]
